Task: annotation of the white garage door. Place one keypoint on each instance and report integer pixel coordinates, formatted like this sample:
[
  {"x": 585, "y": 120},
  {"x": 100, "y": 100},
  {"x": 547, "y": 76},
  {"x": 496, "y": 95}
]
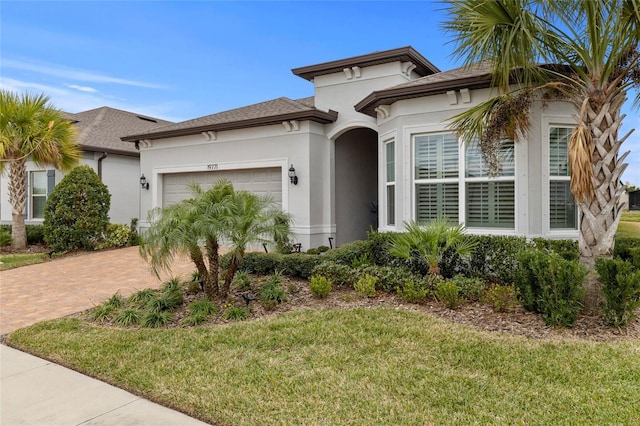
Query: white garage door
[{"x": 259, "y": 181}]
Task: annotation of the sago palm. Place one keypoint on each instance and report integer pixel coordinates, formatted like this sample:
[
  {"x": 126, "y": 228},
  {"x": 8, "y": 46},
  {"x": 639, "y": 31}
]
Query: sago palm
[
  {"x": 591, "y": 57},
  {"x": 31, "y": 129},
  {"x": 430, "y": 242}
]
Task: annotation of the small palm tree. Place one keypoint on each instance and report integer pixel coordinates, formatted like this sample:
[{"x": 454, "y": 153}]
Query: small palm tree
[
  {"x": 253, "y": 220},
  {"x": 196, "y": 227},
  {"x": 430, "y": 242},
  {"x": 31, "y": 129},
  {"x": 179, "y": 230}
]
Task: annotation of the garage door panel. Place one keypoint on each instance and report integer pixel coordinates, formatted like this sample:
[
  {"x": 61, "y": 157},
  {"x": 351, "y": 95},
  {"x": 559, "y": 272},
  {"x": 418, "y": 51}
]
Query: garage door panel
[{"x": 267, "y": 181}]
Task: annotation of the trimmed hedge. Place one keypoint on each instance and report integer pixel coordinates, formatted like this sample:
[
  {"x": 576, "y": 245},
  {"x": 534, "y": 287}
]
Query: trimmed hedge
[{"x": 35, "y": 233}]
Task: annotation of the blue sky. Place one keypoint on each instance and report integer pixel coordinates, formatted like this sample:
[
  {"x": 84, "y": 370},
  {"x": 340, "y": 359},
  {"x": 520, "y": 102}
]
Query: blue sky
[{"x": 181, "y": 60}]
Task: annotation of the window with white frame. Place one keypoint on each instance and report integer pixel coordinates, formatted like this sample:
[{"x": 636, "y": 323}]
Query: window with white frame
[
  {"x": 390, "y": 181},
  {"x": 38, "y": 187},
  {"x": 489, "y": 202},
  {"x": 436, "y": 177},
  {"x": 563, "y": 213}
]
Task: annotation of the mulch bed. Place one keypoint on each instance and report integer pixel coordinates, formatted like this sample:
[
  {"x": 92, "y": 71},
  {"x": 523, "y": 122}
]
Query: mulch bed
[{"x": 478, "y": 315}]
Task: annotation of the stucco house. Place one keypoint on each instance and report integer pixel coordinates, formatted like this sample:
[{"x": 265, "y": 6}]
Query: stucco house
[
  {"x": 116, "y": 162},
  {"x": 371, "y": 148}
]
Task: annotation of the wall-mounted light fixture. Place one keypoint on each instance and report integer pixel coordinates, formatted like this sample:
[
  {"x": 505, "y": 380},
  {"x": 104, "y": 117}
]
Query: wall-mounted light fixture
[
  {"x": 143, "y": 182},
  {"x": 292, "y": 175}
]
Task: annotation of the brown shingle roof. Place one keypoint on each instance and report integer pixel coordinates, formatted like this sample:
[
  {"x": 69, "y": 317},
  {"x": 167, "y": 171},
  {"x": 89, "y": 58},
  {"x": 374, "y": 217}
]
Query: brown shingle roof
[
  {"x": 472, "y": 77},
  {"x": 402, "y": 54},
  {"x": 260, "y": 114},
  {"x": 100, "y": 129}
]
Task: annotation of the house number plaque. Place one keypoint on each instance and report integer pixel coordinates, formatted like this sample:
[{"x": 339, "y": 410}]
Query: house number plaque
[{"x": 212, "y": 167}]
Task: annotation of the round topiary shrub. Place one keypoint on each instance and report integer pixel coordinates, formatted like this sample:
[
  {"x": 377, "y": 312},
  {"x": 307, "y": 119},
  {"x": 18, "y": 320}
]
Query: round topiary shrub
[{"x": 76, "y": 213}]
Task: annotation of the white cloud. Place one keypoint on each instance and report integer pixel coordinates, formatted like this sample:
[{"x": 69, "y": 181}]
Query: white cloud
[
  {"x": 74, "y": 74},
  {"x": 82, "y": 88},
  {"x": 77, "y": 101}
]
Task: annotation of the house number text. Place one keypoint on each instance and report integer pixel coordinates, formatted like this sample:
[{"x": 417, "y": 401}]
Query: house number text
[{"x": 212, "y": 167}]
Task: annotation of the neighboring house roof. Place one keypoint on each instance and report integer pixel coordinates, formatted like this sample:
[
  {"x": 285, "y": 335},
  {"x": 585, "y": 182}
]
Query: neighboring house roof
[
  {"x": 100, "y": 129},
  {"x": 471, "y": 77},
  {"x": 274, "y": 111},
  {"x": 402, "y": 54}
]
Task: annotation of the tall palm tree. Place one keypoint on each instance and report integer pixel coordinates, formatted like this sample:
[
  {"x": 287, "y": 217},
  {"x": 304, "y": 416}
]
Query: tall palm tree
[
  {"x": 590, "y": 48},
  {"x": 31, "y": 129}
]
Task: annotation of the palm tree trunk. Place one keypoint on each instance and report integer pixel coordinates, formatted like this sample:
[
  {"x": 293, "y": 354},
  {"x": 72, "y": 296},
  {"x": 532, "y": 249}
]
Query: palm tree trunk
[
  {"x": 213, "y": 257},
  {"x": 231, "y": 272},
  {"x": 208, "y": 279},
  {"x": 18, "y": 198},
  {"x": 599, "y": 216}
]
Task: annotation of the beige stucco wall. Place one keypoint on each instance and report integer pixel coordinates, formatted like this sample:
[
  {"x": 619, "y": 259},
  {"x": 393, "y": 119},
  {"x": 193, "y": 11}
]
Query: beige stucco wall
[
  {"x": 430, "y": 115},
  {"x": 120, "y": 173}
]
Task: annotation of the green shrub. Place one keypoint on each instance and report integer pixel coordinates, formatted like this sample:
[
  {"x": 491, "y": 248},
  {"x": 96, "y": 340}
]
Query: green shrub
[
  {"x": 5, "y": 238},
  {"x": 501, "y": 297},
  {"x": 236, "y": 313},
  {"x": 299, "y": 265},
  {"x": 134, "y": 237},
  {"x": 494, "y": 259},
  {"x": 171, "y": 285},
  {"x": 568, "y": 249},
  {"x": 241, "y": 281},
  {"x": 271, "y": 290},
  {"x": 313, "y": 251},
  {"x": 194, "y": 319},
  {"x": 347, "y": 253},
  {"x": 115, "y": 236},
  {"x": 102, "y": 312},
  {"x": 413, "y": 291},
  {"x": 116, "y": 301},
  {"x": 470, "y": 288},
  {"x": 322, "y": 249},
  {"x": 366, "y": 286},
  {"x": 448, "y": 293},
  {"x": 621, "y": 289},
  {"x": 260, "y": 263},
  {"x": 387, "y": 277},
  {"x": 361, "y": 261},
  {"x": 203, "y": 306},
  {"x": 128, "y": 317},
  {"x": 378, "y": 247},
  {"x": 551, "y": 285},
  {"x": 156, "y": 318},
  {"x": 35, "y": 234},
  {"x": 320, "y": 286},
  {"x": 167, "y": 301},
  {"x": 624, "y": 246},
  {"x": 76, "y": 211},
  {"x": 142, "y": 297},
  {"x": 338, "y": 274}
]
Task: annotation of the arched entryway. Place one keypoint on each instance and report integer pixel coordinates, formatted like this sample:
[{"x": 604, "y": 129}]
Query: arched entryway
[{"x": 356, "y": 184}]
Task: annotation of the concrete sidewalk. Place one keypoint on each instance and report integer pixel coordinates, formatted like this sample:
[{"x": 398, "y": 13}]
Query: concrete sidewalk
[{"x": 37, "y": 392}]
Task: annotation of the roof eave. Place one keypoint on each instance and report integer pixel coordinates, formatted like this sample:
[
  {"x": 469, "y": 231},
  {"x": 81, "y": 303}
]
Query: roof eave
[
  {"x": 408, "y": 53},
  {"x": 89, "y": 148},
  {"x": 389, "y": 96},
  {"x": 318, "y": 116}
]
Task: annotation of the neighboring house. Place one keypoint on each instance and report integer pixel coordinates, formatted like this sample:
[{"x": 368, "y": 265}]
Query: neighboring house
[
  {"x": 371, "y": 149},
  {"x": 116, "y": 162}
]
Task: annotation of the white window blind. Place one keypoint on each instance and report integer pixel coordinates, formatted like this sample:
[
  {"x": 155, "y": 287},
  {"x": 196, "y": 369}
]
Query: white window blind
[{"x": 563, "y": 213}]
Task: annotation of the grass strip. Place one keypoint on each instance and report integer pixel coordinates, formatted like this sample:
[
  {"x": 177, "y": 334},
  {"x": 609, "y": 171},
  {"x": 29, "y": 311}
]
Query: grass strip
[{"x": 358, "y": 367}]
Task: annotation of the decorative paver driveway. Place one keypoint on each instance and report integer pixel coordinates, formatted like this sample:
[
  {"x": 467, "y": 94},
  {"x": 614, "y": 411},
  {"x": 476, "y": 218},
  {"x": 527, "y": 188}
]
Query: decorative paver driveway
[{"x": 61, "y": 287}]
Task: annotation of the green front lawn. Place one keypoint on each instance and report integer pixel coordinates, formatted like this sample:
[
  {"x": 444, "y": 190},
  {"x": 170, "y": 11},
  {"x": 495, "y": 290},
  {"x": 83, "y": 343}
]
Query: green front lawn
[
  {"x": 10, "y": 261},
  {"x": 358, "y": 366}
]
